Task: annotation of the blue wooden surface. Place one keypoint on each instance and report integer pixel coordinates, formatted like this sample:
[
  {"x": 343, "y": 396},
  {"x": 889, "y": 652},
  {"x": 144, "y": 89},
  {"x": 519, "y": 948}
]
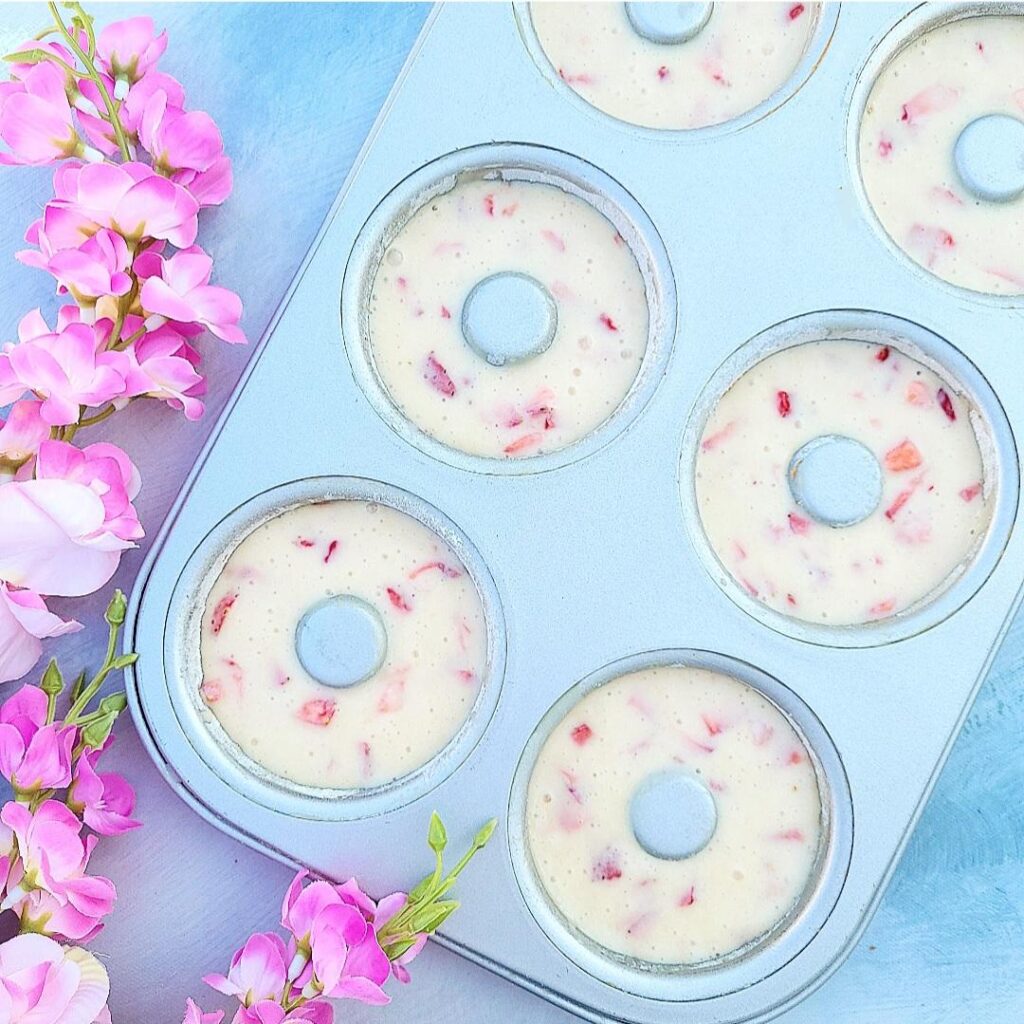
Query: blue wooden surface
[{"x": 295, "y": 88}]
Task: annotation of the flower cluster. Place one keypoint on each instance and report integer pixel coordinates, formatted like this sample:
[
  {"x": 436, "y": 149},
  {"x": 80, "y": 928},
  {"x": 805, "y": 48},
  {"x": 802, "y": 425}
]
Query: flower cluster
[
  {"x": 339, "y": 944},
  {"x": 134, "y": 169},
  {"x": 61, "y": 805}
]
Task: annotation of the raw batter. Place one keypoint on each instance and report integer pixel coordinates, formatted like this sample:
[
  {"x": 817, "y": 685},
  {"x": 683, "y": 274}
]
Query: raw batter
[
  {"x": 920, "y": 104},
  {"x": 744, "y": 53},
  {"x": 414, "y": 587},
  {"x": 908, "y": 461},
  {"x": 582, "y": 286},
  {"x": 738, "y": 751}
]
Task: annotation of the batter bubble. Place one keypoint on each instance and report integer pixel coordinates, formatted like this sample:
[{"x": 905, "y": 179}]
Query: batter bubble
[
  {"x": 742, "y": 54},
  {"x": 508, "y": 319},
  {"x": 701, "y": 738},
  {"x": 393, "y": 574},
  {"x": 841, "y": 482},
  {"x": 953, "y": 220}
]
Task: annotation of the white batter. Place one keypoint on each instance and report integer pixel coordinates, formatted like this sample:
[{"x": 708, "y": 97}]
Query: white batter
[
  {"x": 760, "y": 857},
  {"x": 744, "y": 54},
  {"x": 376, "y": 730},
  {"x": 521, "y": 409},
  {"x": 917, "y": 108},
  {"x": 935, "y": 503}
]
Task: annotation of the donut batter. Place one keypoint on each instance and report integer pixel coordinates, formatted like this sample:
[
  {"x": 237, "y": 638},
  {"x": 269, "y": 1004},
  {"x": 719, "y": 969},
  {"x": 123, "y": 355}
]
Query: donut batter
[
  {"x": 744, "y": 53},
  {"x": 570, "y": 260},
  {"x": 930, "y": 503},
  {"x": 741, "y": 751},
  {"x": 919, "y": 105},
  {"x": 383, "y": 727}
]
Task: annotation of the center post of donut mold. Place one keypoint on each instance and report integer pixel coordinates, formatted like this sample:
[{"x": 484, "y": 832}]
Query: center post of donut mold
[
  {"x": 668, "y": 23},
  {"x": 673, "y": 815},
  {"x": 989, "y": 158},
  {"x": 836, "y": 480},
  {"x": 509, "y": 317},
  {"x": 341, "y": 641}
]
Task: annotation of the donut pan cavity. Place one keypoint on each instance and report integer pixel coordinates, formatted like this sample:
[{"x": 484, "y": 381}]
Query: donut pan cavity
[{"x": 593, "y": 554}]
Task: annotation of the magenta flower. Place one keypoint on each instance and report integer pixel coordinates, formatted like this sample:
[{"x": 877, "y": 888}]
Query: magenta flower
[
  {"x": 91, "y": 270},
  {"x": 210, "y": 187},
  {"x": 130, "y": 198},
  {"x": 21, "y": 69},
  {"x": 22, "y": 432},
  {"x": 46, "y": 914},
  {"x": 142, "y": 91},
  {"x": 104, "y": 801},
  {"x": 24, "y": 622},
  {"x": 53, "y": 859},
  {"x": 44, "y": 983},
  {"x": 177, "y": 140},
  {"x": 33, "y": 754},
  {"x": 193, "y": 1015},
  {"x": 317, "y": 1011},
  {"x": 162, "y": 365},
  {"x": 182, "y": 292},
  {"x": 348, "y": 963},
  {"x": 66, "y": 369},
  {"x": 128, "y": 49},
  {"x": 257, "y": 971},
  {"x": 35, "y": 118},
  {"x": 65, "y": 529}
]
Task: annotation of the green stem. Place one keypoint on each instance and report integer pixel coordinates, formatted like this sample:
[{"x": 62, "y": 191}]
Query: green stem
[
  {"x": 90, "y": 421},
  {"x": 93, "y": 74},
  {"x": 90, "y": 691}
]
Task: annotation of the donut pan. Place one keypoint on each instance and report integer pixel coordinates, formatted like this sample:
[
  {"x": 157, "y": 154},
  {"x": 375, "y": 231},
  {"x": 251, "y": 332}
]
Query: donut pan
[{"x": 590, "y": 560}]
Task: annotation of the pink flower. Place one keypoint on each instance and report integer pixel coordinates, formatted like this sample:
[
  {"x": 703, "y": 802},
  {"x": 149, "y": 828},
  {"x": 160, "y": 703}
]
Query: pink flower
[
  {"x": 162, "y": 365},
  {"x": 177, "y": 140},
  {"x": 35, "y": 118},
  {"x": 20, "y": 70},
  {"x": 24, "y": 622},
  {"x": 128, "y": 49},
  {"x": 257, "y": 971},
  {"x": 347, "y": 960},
  {"x": 66, "y": 369},
  {"x": 22, "y": 432},
  {"x": 399, "y": 966},
  {"x": 44, "y": 983},
  {"x": 46, "y": 914},
  {"x": 317, "y": 1011},
  {"x": 210, "y": 187},
  {"x": 193, "y": 1015},
  {"x": 130, "y": 198},
  {"x": 141, "y": 92},
  {"x": 93, "y": 269},
  {"x": 105, "y": 801},
  {"x": 182, "y": 292},
  {"x": 53, "y": 859},
  {"x": 65, "y": 530},
  {"x": 33, "y": 754}
]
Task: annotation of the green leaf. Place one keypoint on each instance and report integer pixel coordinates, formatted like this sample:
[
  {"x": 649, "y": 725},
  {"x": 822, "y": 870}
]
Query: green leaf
[
  {"x": 432, "y": 917},
  {"x": 484, "y": 835},
  {"x": 114, "y": 703},
  {"x": 437, "y": 836},
  {"x": 52, "y": 682},
  {"x": 117, "y": 609},
  {"x": 26, "y": 56},
  {"x": 95, "y": 734},
  {"x": 419, "y": 890},
  {"x": 124, "y": 660}
]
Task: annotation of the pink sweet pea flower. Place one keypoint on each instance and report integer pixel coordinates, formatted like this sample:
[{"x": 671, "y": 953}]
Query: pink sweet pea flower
[
  {"x": 104, "y": 801},
  {"x": 399, "y": 966},
  {"x": 33, "y": 754},
  {"x": 130, "y": 198},
  {"x": 93, "y": 269},
  {"x": 317, "y": 1011},
  {"x": 22, "y": 432},
  {"x": 193, "y": 1015},
  {"x": 176, "y": 139},
  {"x": 128, "y": 49},
  {"x": 20, "y": 69},
  {"x": 24, "y": 622},
  {"x": 182, "y": 292},
  {"x": 46, "y": 914},
  {"x": 142, "y": 91},
  {"x": 44, "y": 983},
  {"x": 162, "y": 365},
  {"x": 210, "y": 187},
  {"x": 65, "y": 530},
  {"x": 257, "y": 971},
  {"x": 36, "y": 121},
  {"x": 66, "y": 369},
  {"x": 348, "y": 963}
]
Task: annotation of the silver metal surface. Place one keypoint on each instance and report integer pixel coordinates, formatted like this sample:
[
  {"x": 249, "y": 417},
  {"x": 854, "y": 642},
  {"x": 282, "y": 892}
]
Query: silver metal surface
[
  {"x": 673, "y": 815},
  {"x": 508, "y": 318},
  {"x": 989, "y": 157},
  {"x": 582, "y": 557},
  {"x": 341, "y": 640},
  {"x": 668, "y": 23}
]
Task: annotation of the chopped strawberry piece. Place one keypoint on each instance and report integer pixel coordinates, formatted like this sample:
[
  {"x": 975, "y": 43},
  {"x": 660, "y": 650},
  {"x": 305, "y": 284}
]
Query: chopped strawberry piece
[
  {"x": 946, "y": 403},
  {"x": 393, "y": 696},
  {"x": 489, "y": 205},
  {"x": 932, "y": 100},
  {"x": 795, "y": 11},
  {"x": 970, "y": 493},
  {"x": 689, "y": 897},
  {"x": 401, "y": 283},
  {"x": 437, "y": 377},
  {"x": 608, "y": 322},
  {"x": 444, "y": 570},
  {"x": 791, "y": 599},
  {"x": 555, "y": 239},
  {"x": 543, "y": 411},
  {"x": 398, "y": 601},
  {"x": 713, "y": 727},
  {"x": 662, "y": 73},
  {"x": 918, "y": 393},
  {"x": 782, "y": 403},
  {"x": 698, "y": 745},
  {"x": 763, "y": 732},
  {"x": 884, "y": 147},
  {"x": 211, "y": 691},
  {"x": 508, "y": 211},
  {"x": 883, "y": 353},
  {"x": 606, "y": 868},
  {"x": 901, "y": 499},
  {"x": 220, "y": 612},
  {"x": 571, "y": 786},
  {"x": 523, "y": 443},
  {"x": 305, "y": 542},
  {"x": 902, "y": 457},
  {"x": 797, "y": 523},
  {"x": 318, "y": 711},
  {"x": 795, "y": 758},
  {"x": 581, "y": 733},
  {"x": 930, "y": 242},
  {"x": 467, "y": 675},
  {"x": 792, "y": 835},
  {"x": 331, "y": 548},
  {"x": 882, "y": 607},
  {"x": 366, "y": 756},
  {"x": 713, "y": 440},
  {"x": 446, "y": 313}
]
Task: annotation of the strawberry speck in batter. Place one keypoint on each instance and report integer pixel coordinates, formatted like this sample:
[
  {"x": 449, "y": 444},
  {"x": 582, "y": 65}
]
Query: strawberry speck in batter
[{"x": 220, "y": 612}]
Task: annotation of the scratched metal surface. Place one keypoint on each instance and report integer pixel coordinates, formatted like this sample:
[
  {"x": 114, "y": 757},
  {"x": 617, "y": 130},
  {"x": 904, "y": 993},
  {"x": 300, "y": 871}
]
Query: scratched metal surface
[{"x": 295, "y": 89}]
